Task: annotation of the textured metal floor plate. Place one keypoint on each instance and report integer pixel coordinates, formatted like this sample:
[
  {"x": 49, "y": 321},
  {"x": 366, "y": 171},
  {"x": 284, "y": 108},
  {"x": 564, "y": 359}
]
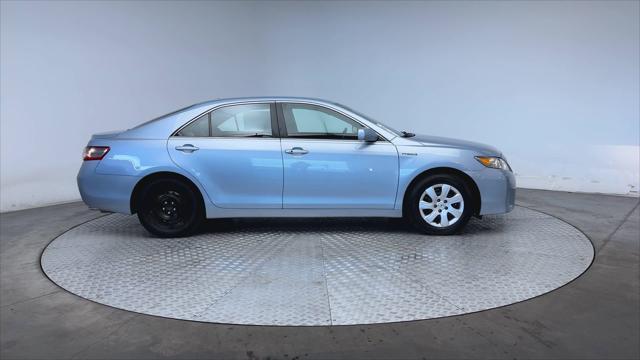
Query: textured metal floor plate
[{"x": 317, "y": 271}]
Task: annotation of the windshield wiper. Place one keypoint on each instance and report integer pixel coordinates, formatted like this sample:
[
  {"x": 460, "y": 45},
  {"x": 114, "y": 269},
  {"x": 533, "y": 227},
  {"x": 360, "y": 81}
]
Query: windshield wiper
[{"x": 407, "y": 134}]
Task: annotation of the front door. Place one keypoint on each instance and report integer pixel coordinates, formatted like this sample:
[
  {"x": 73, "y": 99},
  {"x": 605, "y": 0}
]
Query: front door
[
  {"x": 235, "y": 154},
  {"x": 327, "y": 167}
]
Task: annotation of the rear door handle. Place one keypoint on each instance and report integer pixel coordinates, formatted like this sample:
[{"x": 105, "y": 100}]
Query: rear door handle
[
  {"x": 188, "y": 148},
  {"x": 296, "y": 151}
]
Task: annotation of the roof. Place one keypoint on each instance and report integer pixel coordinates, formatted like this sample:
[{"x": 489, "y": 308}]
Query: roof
[{"x": 266, "y": 98}]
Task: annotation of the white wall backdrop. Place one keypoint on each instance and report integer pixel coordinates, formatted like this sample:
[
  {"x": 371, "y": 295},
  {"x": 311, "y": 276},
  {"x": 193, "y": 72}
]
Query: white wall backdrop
[{"x": 555, "y": 85}]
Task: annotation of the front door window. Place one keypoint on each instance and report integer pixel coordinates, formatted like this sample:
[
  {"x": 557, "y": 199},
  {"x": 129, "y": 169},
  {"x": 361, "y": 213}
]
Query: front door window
[{"x": 315, "y": 122}]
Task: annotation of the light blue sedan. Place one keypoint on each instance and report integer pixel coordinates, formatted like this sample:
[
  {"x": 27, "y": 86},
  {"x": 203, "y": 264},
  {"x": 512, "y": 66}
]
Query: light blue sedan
[{"x": 289, "y": 157}]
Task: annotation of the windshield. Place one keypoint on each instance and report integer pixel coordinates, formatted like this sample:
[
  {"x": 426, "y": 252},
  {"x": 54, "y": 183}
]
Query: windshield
[{"x": 382, "y": 125}]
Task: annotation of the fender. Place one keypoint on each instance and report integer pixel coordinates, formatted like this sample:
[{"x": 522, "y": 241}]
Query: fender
[
  {"x": 141, "y": 158},
  {"x": 415, "y": 160}
]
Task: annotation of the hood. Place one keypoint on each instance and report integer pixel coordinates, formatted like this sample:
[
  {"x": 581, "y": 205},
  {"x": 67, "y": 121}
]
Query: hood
[{"x": 428, "y": 140}]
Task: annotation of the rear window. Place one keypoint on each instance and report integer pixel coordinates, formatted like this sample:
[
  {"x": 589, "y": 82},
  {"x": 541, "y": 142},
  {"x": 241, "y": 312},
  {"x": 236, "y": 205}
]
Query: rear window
[{"x": 163, "y": 116}]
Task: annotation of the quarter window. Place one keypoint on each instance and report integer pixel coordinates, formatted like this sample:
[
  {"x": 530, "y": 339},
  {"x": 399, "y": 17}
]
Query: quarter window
[
  {"x": 311, "y": 121},
  {"x": 248, "y": 120},
  {"x": 198, "y": 128}
]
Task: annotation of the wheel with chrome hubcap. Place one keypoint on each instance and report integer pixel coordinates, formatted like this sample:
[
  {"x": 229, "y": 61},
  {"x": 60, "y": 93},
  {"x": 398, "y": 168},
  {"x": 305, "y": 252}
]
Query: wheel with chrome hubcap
[
  {"x": 439, "y": 204},
  {"x": 170, "y": 208}
]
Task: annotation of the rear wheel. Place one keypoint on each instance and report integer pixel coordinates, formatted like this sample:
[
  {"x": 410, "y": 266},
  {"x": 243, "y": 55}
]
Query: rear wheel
[
  {"x": 170, "y": 208},
  {"x": 439, "y": 204}
]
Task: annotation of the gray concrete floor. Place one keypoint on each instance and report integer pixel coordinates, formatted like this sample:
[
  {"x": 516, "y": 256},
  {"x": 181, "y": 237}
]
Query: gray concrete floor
[{"x": 596, "y": 316}]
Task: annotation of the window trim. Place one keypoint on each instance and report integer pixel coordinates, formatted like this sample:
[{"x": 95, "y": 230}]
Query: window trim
[
  {"x": 275, "y": 131},
  {"x": 283, "y": 128}
]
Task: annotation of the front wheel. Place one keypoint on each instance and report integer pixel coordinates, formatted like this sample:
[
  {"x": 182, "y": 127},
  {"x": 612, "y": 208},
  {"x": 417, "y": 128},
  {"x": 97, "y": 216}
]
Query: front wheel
[
  {"x": 170, "y": 208},
  {"x": 439, "y": 204}
]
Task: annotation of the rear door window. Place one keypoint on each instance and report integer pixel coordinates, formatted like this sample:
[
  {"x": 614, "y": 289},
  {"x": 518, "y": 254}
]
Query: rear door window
[{"x": 245, "y": 120}]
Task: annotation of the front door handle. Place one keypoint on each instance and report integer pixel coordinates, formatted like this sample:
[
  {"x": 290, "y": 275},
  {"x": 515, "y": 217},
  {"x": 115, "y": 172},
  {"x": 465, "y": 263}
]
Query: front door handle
[
  {"x": 188, "y": 148},
  {"x": 296, "y": 151}
]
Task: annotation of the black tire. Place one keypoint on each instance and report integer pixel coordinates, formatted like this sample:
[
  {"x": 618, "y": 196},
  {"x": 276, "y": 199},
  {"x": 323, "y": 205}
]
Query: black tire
[
  {"x": 170, "y": 208},
  {"x": 417, "y": 193}
]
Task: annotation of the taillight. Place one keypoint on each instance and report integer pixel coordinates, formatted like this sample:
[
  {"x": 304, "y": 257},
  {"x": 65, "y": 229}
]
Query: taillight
[{"x": 95, "y": 152}]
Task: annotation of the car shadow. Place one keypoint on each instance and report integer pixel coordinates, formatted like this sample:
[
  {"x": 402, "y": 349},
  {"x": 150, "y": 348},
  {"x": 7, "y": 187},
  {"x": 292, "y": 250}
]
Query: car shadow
[{"x": 332, "y": 225}]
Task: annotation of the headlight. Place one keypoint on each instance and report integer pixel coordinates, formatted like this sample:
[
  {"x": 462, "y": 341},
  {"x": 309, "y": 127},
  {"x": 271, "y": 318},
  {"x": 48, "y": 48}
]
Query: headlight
[{"x": 493, "y": 162}]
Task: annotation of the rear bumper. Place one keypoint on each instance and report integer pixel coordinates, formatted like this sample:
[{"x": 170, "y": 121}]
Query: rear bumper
[
  {"x": 105, "y": 192},
  {"x": 497, "y": 190}
]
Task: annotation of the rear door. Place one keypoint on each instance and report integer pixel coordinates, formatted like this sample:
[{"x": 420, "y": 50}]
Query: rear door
[
  {"x": 234, "y": 151},
  {"x": 327, "y": 167}
]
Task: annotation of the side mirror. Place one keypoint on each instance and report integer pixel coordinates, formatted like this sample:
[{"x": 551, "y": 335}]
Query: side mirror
[{"x": 367, "y": 135}]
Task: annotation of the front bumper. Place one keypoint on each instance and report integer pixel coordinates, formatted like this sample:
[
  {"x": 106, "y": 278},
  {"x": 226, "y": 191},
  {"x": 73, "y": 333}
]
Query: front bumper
[
  {"x": 497, "y": 190},
  {"x": 105, "y": 192}
]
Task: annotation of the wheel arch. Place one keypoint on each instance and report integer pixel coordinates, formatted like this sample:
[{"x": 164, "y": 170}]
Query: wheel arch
[
  {"x": 133, "y": 203},
  {"x": 475, "y": 191}
]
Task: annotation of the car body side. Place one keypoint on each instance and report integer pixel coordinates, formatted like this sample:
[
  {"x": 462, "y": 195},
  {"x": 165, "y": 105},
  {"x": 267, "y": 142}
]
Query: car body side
[{"x": 139, "y": 153}]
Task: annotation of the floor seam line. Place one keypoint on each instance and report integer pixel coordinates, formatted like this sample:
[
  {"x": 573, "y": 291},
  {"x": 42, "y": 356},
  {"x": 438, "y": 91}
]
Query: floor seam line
[
  {"x": 243, "y": 280},
  {"x": 608, "y": 238},
  {"x": 420, "y": 283},
  {"x": 326, "y": 280},
  {"x": 33, "y": 298},
  {"x": 101, "y": 339},
  {"x": 431, "y": 290},
  {"x": 477, "y": 332},
  {"x": 178, "y": 246}
]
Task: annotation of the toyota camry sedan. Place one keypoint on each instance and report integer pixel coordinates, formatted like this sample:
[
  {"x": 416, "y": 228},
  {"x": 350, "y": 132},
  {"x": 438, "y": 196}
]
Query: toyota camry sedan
[{"x": 289, "y": 157}]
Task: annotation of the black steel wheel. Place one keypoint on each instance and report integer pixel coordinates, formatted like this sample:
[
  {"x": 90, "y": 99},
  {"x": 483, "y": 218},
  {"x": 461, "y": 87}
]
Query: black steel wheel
[{"x": 170, "y": 208}]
